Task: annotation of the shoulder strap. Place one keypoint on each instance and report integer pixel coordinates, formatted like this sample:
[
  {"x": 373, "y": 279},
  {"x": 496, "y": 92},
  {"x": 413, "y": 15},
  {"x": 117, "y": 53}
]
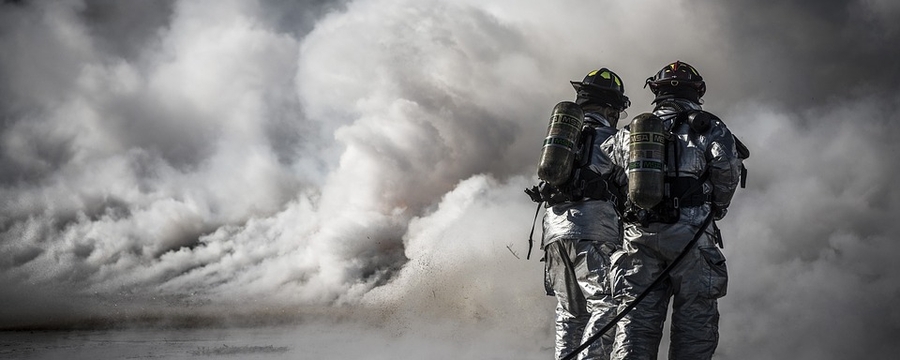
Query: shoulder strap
[
  {"x": 743, "y": 151},
  {"x": 588, "y": 133}
]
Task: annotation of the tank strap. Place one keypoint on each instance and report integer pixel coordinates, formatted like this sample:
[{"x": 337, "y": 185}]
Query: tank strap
[
  {"x": 583, "y": 158},
  {"x": 592, "y": 185},
  {"x": 587, "y": 183}
]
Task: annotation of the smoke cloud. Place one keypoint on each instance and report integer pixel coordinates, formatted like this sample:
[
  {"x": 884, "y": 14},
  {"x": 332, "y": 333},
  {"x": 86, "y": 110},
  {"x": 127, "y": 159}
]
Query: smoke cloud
[{"x": 368, "y": 157}]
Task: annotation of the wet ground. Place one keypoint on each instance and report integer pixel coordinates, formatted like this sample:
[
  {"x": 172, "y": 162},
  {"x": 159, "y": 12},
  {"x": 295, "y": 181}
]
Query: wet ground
[
  {"x": 307, "y": 341},
  {"x": 247, "y": 343}
]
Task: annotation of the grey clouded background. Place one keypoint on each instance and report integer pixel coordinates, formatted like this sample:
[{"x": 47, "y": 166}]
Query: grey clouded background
[{"x": 368, "y": 157}]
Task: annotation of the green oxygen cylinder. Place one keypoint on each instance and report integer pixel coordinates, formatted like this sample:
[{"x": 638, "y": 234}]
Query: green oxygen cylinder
[
  {"x": 561, "y": 143},
  {"x": 646, "y": 162}
]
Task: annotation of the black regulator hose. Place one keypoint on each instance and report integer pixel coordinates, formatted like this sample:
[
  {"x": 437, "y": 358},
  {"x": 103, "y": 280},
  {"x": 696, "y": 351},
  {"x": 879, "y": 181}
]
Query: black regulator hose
[{"x": 646, "y": 291}]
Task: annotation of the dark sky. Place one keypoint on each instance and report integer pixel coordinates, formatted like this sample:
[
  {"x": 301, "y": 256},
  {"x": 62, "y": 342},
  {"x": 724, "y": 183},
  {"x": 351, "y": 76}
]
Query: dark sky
[
  {"x": 196, "y": 154},
  {"x": 808, "y": 53}
]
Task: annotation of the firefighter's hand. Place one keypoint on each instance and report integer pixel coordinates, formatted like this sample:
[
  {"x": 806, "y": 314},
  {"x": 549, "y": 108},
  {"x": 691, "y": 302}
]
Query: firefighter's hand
[
  {"x": 719, "y": 212},
  {"x": 535, "y": 193}
]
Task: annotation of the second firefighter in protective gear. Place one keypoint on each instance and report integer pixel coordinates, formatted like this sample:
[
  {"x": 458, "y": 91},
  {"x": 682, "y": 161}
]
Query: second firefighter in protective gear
[
  {"x": 581, "y": 227},
  {"x": 703, "y": 164}
]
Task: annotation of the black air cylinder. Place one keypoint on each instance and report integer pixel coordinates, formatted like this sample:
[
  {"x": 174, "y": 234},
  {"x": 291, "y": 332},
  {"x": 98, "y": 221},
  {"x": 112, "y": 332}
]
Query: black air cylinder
[
  {"x": 561, "y": 143},
  {"x": 646, "y": 163}
]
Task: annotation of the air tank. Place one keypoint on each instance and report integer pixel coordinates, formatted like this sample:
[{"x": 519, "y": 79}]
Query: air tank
[
  {"x": 561, "y": 143},
  {"x": 646, "y": 162}
]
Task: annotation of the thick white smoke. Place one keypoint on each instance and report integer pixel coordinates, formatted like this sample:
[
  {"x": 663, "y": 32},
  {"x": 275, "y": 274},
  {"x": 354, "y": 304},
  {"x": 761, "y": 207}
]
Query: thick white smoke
[
  {"x": 168, "y": 182},
  {"x": 369, "y": 157}
]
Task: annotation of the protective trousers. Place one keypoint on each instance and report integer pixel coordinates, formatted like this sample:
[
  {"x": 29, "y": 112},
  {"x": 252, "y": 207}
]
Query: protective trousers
[
  {"x": 577, "y": 272},
  {"x": 695, "y": 284}
]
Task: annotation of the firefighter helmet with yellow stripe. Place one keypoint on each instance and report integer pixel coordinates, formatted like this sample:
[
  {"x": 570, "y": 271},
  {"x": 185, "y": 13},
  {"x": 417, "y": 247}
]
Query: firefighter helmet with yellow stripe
[{"x": 602, "y": 87}]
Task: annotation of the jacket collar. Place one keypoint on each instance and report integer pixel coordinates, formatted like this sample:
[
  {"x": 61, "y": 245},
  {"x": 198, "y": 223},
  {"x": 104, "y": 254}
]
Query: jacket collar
[{"x": 596, "y": 117}]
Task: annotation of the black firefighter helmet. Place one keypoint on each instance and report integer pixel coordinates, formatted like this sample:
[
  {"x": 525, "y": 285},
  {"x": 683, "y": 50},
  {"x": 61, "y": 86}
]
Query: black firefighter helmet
[
  {"x": 677, "y": 80},
  {"x": 602, "y": 87}
]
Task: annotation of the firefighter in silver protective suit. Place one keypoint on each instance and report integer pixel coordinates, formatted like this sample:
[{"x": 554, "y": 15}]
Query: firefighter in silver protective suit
[
  {"x": 703, "y": 165},
  {"x": 581, "y": 226}
]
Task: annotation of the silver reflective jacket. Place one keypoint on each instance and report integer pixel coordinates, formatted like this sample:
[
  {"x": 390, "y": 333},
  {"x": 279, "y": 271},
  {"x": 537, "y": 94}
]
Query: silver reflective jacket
[
  {"x": 713, "y": 150},
  {"x": 587, "y": 219}
]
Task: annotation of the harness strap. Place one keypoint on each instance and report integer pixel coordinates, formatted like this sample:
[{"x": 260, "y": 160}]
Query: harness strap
[
  {"x": 592, "y": 185},
  {"x": 690, "y": 196}
]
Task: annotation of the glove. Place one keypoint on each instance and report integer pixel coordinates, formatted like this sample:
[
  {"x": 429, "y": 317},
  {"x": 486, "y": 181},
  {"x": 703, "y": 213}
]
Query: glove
[
  {"x": 535, "y": 193},
  {"x": 547, "y": 193},
  {"x": 719, "y": 212}
]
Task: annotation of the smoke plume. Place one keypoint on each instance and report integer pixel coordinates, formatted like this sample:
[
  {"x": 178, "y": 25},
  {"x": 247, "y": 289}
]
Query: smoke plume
[{"x": 368, "y": 157}]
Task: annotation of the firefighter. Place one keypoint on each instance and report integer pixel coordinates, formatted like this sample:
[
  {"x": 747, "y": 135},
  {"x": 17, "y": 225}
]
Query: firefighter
[
  {"x": 701, "y": 168},
  {"x": 581, "y": 227}
]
